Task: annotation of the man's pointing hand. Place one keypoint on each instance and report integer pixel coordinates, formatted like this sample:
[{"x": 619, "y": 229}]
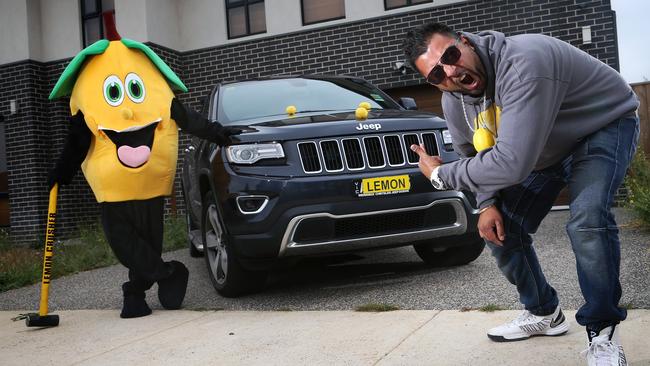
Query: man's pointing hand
[{"x": 427, "y": 162}]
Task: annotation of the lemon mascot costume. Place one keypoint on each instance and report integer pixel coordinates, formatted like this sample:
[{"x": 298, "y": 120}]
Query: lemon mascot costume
[{"x": 123, "y": 133}]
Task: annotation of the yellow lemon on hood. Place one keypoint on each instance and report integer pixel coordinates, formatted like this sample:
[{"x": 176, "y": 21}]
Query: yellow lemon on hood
[
  {"x": 361, "y": 113},
  {"x": 483, "y": 139},
  {"x": 291, "y": 110}
]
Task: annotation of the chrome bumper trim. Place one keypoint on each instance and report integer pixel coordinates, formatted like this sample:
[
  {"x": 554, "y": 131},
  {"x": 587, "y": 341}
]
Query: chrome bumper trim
[{"x": 290, "y": 247}]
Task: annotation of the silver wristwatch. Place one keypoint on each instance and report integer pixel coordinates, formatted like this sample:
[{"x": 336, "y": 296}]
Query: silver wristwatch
[{"x": 436, "y": 182}]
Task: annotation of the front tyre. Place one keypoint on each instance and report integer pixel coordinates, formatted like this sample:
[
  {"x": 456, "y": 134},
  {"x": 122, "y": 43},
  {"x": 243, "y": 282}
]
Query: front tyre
[
  {"x": 450, "y": 251},
  {"x": 194, "y": 251},
  {"x": 228, "y": 277},
  {"x": 192, "y": 230}
]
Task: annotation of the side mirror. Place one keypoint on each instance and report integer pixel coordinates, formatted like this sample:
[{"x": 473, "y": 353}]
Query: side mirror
[
  {"x": 205, "y": 104},
  {"x": 408, "y": 103}
]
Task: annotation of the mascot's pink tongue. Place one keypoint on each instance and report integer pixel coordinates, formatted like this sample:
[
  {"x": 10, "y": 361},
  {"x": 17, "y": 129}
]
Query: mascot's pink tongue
[{"x": 133, "y": 156}]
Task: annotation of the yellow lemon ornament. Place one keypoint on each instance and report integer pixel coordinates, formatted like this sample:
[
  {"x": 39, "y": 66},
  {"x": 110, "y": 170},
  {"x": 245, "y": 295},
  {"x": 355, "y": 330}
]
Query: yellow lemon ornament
[
  {"x": 291, "y": 110},
  {"x": 361, "y": 113},
  {"x": 482, "y": 139}
]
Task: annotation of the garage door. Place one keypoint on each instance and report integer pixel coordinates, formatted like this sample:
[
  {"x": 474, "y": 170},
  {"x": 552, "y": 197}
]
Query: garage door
[{"x": 426, "y": 96}]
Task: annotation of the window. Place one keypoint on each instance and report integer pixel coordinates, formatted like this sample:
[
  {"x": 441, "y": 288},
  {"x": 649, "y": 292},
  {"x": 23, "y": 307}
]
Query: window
[
  {"x": 91, "y": 19},
  {"x": 394, "y": 4},
  {"x": 316, "y": 11},
  {"x": 245, "y": 17}
]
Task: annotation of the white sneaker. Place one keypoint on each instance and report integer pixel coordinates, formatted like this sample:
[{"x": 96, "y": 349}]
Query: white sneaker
[
  {"x": 527, "y": 325},
  {"x": 604, "y": 348}
]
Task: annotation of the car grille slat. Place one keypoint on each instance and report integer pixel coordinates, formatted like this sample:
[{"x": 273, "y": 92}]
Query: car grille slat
[
  {"x": 429, "y": 141},
  {"x": 353, "y": 153},
  {"x": 309, "y": 157},
  {"x": 409, "y": 140},
  {"x": 331, "y": 155},
  {"x": 394, "y": 150},
  {"x": 374, "y": 152}
]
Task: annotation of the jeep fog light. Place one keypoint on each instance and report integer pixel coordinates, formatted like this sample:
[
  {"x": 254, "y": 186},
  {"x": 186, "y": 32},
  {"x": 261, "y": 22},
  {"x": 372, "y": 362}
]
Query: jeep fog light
[
  {"x": 446, "y": 140},
  {"x": 249, "y": 154},
  {"x": 446, "y": 137},
  {"x": 249, "y": 205}
]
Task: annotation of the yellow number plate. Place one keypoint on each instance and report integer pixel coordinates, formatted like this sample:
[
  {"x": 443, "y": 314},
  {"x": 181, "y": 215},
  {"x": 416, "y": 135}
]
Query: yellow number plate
[{"x": 384, "y": 185}]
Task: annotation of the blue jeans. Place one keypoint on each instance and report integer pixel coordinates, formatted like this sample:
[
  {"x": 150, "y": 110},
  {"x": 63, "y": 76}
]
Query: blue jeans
[{"x": 593, "y": 172}]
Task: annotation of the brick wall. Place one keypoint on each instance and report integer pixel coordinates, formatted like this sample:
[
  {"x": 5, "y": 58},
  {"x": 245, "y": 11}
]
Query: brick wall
[
  {"x": 35, "y": 136},
  {"x": 175, "y": 205},
  {"x": 366, "y": 49},
  {"x": 369, "y": 49},
  {"x": 25, "y": 140}
]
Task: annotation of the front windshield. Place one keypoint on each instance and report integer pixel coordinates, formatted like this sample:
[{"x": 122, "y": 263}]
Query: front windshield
[{"x": 257, "y": 99}]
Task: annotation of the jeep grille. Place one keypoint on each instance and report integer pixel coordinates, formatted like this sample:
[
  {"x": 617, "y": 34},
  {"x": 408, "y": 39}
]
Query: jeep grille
[
  {"x": 309, "y": 157},
  {"x": 332, "y": 155},
  {"x": 373, "y": 152},
  {"x": 353, "y": 154}
]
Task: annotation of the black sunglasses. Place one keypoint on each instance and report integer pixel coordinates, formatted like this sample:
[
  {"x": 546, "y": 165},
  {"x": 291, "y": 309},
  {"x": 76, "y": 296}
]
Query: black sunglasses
[{"x": 449, "y": 57}]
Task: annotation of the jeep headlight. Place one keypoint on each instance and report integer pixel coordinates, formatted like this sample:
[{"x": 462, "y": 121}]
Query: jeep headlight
[{"x": 249, "y": 154}]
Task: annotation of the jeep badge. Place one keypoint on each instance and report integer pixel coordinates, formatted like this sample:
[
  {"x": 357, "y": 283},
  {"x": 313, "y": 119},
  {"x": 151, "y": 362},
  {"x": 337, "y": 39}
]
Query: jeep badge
[{"x": 368, "y": 126}]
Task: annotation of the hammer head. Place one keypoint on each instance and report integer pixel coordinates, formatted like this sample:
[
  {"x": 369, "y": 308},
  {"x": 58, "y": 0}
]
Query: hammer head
[{"x": 36, "y": 320}]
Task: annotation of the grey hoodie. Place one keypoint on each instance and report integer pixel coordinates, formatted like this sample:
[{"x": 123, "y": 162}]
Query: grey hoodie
[{"x": 551, "y": 95}]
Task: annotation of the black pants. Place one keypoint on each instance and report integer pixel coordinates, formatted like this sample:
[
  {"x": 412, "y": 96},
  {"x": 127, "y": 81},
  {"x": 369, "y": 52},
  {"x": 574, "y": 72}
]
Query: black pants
[{"x": 134, "y": 230}]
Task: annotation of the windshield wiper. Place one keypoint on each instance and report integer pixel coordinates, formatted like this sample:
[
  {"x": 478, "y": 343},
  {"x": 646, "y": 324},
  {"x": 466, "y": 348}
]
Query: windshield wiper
[{"x": 321, "y": 110}]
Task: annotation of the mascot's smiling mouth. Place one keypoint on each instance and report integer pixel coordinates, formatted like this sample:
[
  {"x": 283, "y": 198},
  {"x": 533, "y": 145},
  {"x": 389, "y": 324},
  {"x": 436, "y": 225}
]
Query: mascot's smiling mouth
[{"x": 133, "y": 144}]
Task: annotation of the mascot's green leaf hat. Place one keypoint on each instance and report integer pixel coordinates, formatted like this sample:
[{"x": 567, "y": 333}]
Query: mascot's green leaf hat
[
  {"x": 124, "y": 92},
  {"x": 68, "y": 78}
]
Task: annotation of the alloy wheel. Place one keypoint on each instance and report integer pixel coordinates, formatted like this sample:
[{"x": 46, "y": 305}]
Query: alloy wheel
[{"x": 215, "y": 247}]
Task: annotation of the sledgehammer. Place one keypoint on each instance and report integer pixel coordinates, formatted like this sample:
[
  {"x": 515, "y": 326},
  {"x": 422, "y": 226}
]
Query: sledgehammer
[{"x": 42, "y": 318}]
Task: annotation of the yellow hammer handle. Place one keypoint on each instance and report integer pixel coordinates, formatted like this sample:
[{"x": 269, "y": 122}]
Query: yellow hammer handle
[{"x": 49, "y": 250}]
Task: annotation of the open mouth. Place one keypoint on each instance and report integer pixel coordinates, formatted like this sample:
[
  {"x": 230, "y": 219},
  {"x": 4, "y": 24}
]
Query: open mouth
[
  {"x": 133, "y": 144},
  {"x": 467, "y": 79},
  {"x": 469, "y": 82}
]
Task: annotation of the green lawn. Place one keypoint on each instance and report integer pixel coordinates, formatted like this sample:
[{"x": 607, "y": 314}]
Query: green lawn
[
  {"x": 21, "y": 266},
  {"x": 638, "y": 183}
]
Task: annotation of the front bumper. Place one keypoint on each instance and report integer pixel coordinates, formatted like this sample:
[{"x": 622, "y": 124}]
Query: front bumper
[{"x": 322, "y": 214}]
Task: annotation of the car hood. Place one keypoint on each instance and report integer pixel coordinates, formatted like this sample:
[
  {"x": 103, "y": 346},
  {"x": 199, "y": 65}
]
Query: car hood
[{"x": 339, "y": 123}]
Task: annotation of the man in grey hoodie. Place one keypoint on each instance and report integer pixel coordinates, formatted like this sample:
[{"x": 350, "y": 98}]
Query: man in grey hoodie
[{"x": 531, "y": 114}]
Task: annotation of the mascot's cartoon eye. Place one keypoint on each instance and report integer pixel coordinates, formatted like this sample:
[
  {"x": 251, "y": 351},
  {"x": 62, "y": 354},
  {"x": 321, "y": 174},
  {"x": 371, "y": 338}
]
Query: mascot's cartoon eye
[
  {"x": 134, "y": 87},
  {"x": 113, "y": 91}
]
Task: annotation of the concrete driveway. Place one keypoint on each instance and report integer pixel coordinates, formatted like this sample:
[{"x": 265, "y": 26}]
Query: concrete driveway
[{"x": 395, "y": 276}]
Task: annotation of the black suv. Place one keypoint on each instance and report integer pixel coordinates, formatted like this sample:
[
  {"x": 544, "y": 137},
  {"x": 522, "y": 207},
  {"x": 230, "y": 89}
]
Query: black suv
[{"x": 312, "y": 176}]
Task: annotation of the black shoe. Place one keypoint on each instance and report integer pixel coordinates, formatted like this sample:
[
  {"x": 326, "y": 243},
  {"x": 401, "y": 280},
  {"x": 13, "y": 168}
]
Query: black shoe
[
  {"x": 171, "y": 290},
  {"x": 134, "y": 306}
]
